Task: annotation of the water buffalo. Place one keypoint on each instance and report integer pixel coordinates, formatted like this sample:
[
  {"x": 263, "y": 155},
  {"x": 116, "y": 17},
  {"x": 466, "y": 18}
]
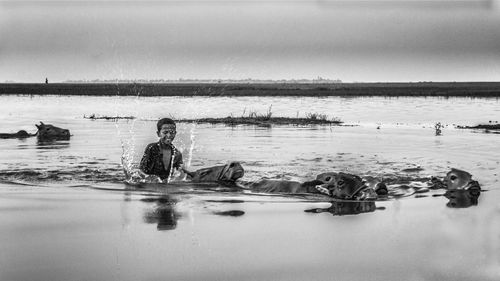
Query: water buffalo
[
  {"x": 47, "y": 132},
  {"x": 22, "y": 134},
  {"x": 285, "y": 186},
  {"x": 228, "y": 173},
  {"x": 458, "y": 179},
  {"x": 351, "y": 187},
  {"x": 337, "y": 185}
]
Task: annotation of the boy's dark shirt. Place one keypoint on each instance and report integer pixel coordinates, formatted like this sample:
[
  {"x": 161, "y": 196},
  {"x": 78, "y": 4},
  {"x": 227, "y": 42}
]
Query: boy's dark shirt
[{"x": 152, "y": 160}]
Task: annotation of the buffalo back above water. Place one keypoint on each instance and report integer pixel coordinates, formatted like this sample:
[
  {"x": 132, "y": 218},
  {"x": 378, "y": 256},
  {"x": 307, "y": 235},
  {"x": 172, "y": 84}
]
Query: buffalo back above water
[
  {"x": 226, "y": 173},
  {"x": 22, "y": 134}
]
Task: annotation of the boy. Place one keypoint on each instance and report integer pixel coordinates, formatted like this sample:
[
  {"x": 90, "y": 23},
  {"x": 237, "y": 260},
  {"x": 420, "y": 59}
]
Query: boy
[{"x": 161, "y": 158}]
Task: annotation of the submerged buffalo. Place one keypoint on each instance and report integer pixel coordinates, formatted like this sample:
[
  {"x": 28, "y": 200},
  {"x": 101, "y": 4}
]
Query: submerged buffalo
[
  {"x": 461, "y": 189},
  {"x": 285, "y": 186},
  {"x": 350, "y": 187},
  {"x": 336, "y": 185},
  {"x": 22, "y": 134},
  {"x": 458, "y": 179},
  {"x": 343, "y": 186},
  {"x": 45, "y": 132},
  {"x": 228, "y": 173}
]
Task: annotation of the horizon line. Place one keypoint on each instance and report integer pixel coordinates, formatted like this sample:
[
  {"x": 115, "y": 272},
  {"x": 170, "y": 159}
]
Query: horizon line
[{"x": 235, "y": 81}]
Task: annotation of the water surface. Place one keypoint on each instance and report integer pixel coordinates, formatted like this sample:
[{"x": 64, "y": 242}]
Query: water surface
[{"x": 66, "y": 213}]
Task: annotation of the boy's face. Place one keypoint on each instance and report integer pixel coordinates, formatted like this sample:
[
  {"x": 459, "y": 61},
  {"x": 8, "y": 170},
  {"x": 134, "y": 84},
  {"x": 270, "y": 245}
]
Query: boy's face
[{"x": 167, "y": 133}]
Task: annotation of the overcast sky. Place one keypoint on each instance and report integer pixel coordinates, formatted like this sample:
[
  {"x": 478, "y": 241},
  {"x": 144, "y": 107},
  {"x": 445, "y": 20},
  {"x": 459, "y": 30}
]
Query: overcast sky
[{"x": 400, "y": 40}]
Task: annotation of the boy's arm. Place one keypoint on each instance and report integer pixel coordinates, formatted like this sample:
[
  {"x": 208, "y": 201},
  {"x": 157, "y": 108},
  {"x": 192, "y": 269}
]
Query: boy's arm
[
  {"x": 146, "y": 162},
  {"x": 179, "y": 164}
]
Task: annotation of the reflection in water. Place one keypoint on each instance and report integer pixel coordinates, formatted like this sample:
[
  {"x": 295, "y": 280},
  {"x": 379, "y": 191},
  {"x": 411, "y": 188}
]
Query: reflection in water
[
  {"x": 51, "y": 144},
  {"x": 460, "y": 198},
  {"x": 231, "y": 201},
  {"x": 230, "y": 213},
  {"x": 339, "y": 208},
  {"x": 164, "y": 214}
]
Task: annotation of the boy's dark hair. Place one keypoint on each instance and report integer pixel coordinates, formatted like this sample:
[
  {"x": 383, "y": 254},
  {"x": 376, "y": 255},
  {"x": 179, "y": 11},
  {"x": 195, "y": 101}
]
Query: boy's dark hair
[{"x": 164, "y": 121}]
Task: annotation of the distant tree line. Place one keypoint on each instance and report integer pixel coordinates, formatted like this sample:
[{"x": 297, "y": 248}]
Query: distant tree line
[{"x": 226, "y": 81}]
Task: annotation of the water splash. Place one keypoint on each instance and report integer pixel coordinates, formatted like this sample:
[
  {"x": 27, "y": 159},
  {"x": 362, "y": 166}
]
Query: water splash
[
  {"x": 128, "y": 145},
  {"x": 191, "y": 147},
  {"x": 128, "y": 149},
  {"x": 137, "y": 177}
]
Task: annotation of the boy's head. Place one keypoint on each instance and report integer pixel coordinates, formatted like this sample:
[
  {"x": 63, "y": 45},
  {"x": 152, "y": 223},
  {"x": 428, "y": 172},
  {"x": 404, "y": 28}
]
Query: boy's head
[{"x": 166, "y": 130}]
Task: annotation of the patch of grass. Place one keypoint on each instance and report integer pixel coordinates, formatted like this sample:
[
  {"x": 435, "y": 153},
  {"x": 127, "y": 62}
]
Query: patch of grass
[
  {"x": 482, "y": 126},
  {"x": 267, "y": 119},
  {"x": 93, "y": 116},
  {"x": 316, "y": 116},
  {"x": 255, "y": 115},
  {"x": 321, "y": 117}
]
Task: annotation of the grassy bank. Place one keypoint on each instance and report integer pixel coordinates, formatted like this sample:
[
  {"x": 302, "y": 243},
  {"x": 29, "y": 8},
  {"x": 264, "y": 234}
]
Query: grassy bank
[
  {"x": 472, "y": 89},
  {"x": 251, "y": 118},
  {"x": 232, "y": 121},
  {"x": 482, "y": 126}
]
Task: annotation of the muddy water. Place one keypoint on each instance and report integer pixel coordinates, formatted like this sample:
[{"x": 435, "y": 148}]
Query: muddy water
[{"x": 65, "y": 211}]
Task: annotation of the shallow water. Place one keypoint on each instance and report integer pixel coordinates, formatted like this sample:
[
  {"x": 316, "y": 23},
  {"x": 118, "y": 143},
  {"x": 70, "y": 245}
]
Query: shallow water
[{"x": 66, "y": 213}]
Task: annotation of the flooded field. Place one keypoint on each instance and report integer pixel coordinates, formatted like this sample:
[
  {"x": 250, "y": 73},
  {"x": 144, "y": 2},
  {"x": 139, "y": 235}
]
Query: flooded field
[{"x": 67, "y": 215}]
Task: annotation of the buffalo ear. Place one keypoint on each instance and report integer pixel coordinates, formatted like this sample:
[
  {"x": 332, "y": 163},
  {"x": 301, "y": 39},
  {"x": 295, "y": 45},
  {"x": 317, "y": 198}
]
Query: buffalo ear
[
  {"x": 229, "y": 173},
  {"x": 41, "y": 123},
  {"x": 37, "y": 126},
  {"x": 190, "y": 174},
  {"x": 206, "y": 172}
]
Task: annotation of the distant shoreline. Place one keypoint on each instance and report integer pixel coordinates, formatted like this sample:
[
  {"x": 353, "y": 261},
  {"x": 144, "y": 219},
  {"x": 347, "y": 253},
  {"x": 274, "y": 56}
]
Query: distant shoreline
[{"x": 437, "y": 89}]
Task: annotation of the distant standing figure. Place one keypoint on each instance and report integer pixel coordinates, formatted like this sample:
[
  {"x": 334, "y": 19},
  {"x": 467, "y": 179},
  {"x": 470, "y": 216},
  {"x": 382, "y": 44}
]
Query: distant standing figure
[
  {"x": 46, "y": 81},
  {"x": 438, "y": 126},
  {"x": 161, "y": 158}
]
